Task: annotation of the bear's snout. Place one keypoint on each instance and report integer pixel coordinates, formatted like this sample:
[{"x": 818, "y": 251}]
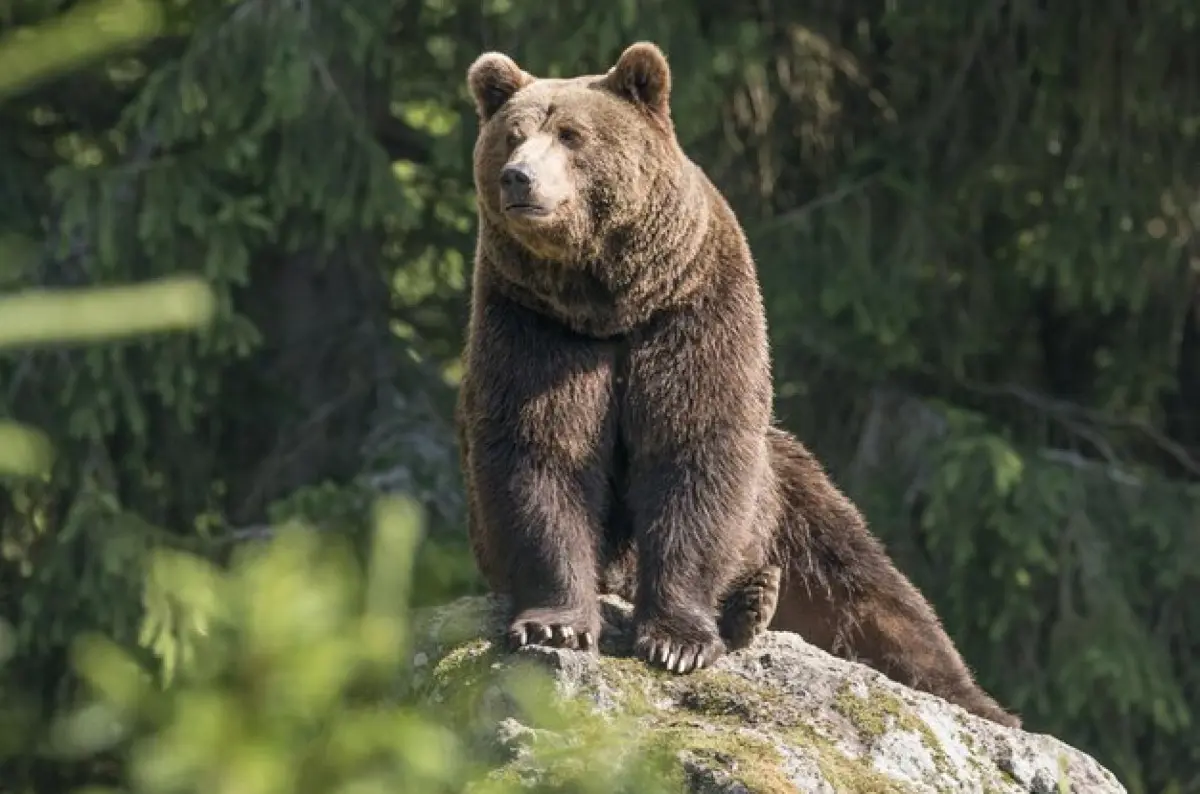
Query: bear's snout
[
  {"x": 534, "y": 183},
  {"x": 516, "y": 185},
  {"x": 519, "y": 194}
]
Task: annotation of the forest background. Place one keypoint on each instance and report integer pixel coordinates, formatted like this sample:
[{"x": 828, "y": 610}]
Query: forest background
[{"x": 976, "y": 227}]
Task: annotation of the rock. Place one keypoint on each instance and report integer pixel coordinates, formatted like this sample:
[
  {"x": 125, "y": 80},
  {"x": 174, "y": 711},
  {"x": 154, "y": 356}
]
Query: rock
[{"x": 781, "y": 716}]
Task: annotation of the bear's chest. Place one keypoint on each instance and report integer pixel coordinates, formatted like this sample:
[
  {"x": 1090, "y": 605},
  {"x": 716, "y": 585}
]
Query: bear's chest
[{"x": 590, "y": 302}]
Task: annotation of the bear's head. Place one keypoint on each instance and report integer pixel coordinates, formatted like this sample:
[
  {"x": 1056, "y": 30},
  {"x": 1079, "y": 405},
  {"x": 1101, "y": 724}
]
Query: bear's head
[{"x": 562, "y": 164}]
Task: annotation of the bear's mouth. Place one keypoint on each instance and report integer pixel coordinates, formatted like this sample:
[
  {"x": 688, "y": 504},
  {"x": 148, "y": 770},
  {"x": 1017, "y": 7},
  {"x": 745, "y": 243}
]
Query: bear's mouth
[{"x": 526, "y": 209}]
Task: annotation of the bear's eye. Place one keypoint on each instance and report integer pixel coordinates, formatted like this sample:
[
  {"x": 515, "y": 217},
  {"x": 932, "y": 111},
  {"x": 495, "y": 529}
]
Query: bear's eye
[
  {"x": 569, "y": 136},
  {"x": 515, "y": 138}
]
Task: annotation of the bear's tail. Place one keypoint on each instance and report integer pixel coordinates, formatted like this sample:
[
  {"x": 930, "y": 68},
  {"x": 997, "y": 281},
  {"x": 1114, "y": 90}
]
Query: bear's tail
[{"x": 842, "y": 593}]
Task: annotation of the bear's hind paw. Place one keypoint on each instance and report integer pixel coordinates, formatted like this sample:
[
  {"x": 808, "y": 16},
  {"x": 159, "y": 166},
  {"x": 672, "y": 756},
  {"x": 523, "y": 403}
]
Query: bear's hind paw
[{"x": 749, "y": 609}]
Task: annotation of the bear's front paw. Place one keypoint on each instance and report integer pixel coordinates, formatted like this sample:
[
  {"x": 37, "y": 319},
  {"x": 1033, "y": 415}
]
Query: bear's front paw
[
  {"x": 577, "y": 628},
  {"x": 681, "y": 644}
]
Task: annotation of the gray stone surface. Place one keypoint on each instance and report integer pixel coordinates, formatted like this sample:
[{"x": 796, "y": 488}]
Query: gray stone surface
[{"x": 780, "y": 716}]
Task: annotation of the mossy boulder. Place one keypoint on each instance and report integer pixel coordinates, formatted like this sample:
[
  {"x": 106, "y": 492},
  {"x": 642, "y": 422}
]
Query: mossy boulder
[{"x": 779, "y": 717}]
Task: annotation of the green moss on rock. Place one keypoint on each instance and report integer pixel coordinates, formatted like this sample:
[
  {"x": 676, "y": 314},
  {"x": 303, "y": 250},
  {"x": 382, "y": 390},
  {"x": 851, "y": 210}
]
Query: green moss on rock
[
  {"x": 880, "y": 712},
  {"x": 845, "y": 774},
  {"x": 751, "y": 760},
  {"x": 723, "y": 696},
  {"x": 869, "y": 715},
  {"x": 718, "y": 721},
  {"x": 720, "y": 702},
  {"x": 634, "y": 684},
  {"x": 464, "y": 667},
  {"x": 716, "y": 730}
]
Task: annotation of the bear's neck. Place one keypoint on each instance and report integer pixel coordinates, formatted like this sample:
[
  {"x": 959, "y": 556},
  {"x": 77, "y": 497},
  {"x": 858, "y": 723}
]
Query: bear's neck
[{"x": 650, "y": 264}]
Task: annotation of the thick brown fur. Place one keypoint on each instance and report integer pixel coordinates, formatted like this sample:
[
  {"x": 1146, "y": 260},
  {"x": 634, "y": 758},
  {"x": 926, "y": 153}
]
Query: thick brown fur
[{"x": 615, "y": 417}]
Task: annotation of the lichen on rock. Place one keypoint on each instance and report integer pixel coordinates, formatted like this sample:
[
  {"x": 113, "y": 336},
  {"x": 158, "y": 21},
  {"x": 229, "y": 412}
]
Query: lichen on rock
[{"x": 779, "y": 717}]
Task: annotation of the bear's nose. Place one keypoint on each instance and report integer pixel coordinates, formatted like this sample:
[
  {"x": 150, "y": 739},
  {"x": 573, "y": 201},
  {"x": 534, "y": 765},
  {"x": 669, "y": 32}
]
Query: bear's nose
[{"x": 516, "y": 177}]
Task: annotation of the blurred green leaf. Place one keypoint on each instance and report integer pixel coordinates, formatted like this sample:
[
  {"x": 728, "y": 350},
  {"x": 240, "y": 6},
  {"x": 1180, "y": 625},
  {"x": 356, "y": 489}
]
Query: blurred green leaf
[
  {"x": 24, "y": 451},
  {"x": 96, "y": 313},
  {"x": 86, "y": 31}
]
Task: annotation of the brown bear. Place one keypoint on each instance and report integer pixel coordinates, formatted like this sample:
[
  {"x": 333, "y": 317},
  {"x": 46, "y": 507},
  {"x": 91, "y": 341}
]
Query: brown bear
[{"x": 615, "y": 416}]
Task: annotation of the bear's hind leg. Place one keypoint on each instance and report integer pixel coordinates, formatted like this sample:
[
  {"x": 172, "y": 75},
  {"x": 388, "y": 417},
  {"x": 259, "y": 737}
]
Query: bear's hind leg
[
  {"x": 883, "y": 621},
  {"x": 842, "y": 592}
]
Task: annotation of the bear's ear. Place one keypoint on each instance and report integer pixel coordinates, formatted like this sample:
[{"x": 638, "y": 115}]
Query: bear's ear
[
  {"x": 493, "y": 79},
  {"x": 643, "y": 76}
]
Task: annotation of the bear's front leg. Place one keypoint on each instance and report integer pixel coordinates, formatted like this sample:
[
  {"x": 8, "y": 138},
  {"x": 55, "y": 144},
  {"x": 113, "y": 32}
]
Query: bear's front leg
[
  {"x": 538, "y": 429},
  {"x": 694, "y": 419}
]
